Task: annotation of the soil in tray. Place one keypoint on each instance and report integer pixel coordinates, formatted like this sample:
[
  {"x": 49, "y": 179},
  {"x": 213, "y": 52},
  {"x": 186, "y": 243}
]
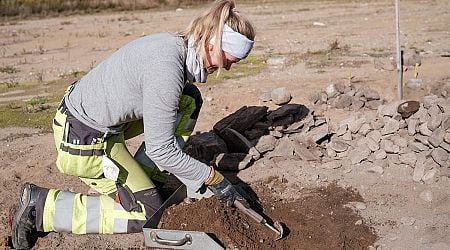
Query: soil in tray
[{"x": 316, "y": 220}]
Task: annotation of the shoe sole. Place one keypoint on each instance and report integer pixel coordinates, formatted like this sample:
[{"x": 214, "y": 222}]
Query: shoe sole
[{"x": 20, "y": 211}]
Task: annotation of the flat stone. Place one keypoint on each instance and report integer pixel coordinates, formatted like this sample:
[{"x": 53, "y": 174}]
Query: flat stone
[
  {"x": 424, "y": 130},
  {"x": 340, "y": 87},
  {"x": 389, "y": 146},
  {"x": 429, "y": 100},
  {"x": 414, "y": 83},
  {"x": 377, "y": 124},
  {"x": 422, "y": 115},
  {"x": 358, "y": 205},
  {"x": 390, "y": 126},
  {"x": 419, "y": 172},
  {"x": 266, "y": 143},
  {"x": 431, "y": 176},
  {"x": 445, "y": 146},
  {"x": 278, "y": 60},
  {"x": 440, "y": 156},
  {"x": 380, "y": 154},
  {"x": 389, "y": 109},
  {"x": 276, "y": 134},
  {"x": 285, "y": 147},
  {"x": 342, "y": 101},
  {"x": 374, "y": 135},
  {"x": 446, "y": 121},
  {"x": 338, "y": 145},
  {"x": 411, "y": 58},
  {"x": 252, "y": 134},
  {"x": 236, "y": 142},
  {"x": 330, "y": 152},
  {"x": 447, "y": 137},
  {"x": 331, "y": 91},
  {"x": 412, "y": 126},
  {"x": 434, "y": 122},
  {"x": 359, "y": 154},
  {"x": 288, "y": 109},
  {"x": 371, "y": 94},
  {"x": 280, "y": 96},
  {"x": 373, "y": 104},
  {"x": 364, "y": 129},
  {"x": 426, "y": 195},
  {"x": 422, "y": 139},
  {"x": 319, "y": 121},
  {"x": 376, "y": 169},
  {"x": 319, "y": 133},
  {"x": 205, "y": 146},
  {"x": 399, "y": 141},
  {"x": 355, "y": 125},
  {"x": 417, "y": 146},
  {"x": 369, "y": 142},
  {"x": 342, "y": 129},
  {"x": 347, "y": 136},
  {"x": 233, "y": 161},
  {"x": 356, "y": 104},
  {"x": 437, "y": 137},
  {"x": 434, "y": 110},
  {"x": 408, "y": 159},
  {"x": 241, "y": 120}
]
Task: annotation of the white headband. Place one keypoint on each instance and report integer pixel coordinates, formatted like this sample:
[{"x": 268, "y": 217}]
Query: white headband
[{"x": 234, "y": 43}]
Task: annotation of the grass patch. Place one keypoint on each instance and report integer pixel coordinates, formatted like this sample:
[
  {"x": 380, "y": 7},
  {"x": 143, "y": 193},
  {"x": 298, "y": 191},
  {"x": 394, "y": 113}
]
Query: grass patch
[
  {"x": 8, "y": 69},
  {"x": 19, "y": 115},
  {"x": 252, "y": 65}
]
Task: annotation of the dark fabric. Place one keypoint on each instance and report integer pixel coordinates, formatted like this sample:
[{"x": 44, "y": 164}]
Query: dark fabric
[
  {"x": 152, "y": 202},
  {"x": 40, "y": 209},
  {"x": 192, "y": 91},
  {"x": 82, "y": 152},
  {"x": 81, "y": 134},
  {"x": 128, "y": 199}
]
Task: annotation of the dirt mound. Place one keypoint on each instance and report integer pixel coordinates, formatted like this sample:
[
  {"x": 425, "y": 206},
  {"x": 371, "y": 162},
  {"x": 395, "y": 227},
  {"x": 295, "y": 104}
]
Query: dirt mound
[{"x": 318, "y": 220}]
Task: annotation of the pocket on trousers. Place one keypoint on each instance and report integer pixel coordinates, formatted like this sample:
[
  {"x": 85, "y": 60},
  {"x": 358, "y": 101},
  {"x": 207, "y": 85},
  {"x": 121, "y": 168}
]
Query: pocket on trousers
[{"x": 80, "y": 160}]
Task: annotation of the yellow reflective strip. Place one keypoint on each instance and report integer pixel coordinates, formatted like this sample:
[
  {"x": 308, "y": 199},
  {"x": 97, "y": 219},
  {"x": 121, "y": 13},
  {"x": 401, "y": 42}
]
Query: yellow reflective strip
[
  {"x": 49, "y": 210},
  {"x": 106, "y": 225},
  {"x": 79, "y": 217}
]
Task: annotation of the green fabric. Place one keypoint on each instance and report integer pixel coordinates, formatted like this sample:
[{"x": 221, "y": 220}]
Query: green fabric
[{"x": 185, "y": 108}]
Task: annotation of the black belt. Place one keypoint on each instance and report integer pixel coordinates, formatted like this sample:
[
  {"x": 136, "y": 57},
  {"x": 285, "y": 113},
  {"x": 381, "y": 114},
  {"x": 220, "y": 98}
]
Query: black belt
[{"x": 82, "y": 152}]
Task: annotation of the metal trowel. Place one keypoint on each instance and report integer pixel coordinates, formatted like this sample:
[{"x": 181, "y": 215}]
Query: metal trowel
[{"x": 277, "y": 227}]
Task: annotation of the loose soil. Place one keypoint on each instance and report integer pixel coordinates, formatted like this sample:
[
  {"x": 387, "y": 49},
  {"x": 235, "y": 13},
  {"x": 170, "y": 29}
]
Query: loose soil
[{"x": 319, "y": 219}]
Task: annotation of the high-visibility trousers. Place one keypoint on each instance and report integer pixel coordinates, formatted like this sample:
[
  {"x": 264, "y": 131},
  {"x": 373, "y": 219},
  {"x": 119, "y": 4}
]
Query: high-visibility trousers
[{"x": 124, "y": 205}]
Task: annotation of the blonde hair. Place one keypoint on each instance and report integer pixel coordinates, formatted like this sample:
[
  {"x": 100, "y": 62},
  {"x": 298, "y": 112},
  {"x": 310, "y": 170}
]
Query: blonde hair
[{"x": 211, "y": 22}]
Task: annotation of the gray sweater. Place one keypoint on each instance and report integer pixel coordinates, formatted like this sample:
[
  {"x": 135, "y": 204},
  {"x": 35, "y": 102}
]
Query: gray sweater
[{"x": 142, "y": 80}]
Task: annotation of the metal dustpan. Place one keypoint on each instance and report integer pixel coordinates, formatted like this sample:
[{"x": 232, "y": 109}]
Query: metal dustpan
[{"x": 175, "y": 239}]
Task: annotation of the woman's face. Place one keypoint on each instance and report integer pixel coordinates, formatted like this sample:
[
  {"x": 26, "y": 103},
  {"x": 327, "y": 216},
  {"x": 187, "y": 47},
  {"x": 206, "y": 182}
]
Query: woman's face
[{"x": 212, "y": 63}]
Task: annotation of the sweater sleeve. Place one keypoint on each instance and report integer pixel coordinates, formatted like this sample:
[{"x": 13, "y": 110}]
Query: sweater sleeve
[{"x": 162, "y": 89}]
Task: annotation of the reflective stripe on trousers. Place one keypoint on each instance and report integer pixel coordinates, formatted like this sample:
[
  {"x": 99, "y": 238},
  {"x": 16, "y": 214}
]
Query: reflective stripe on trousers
[{"x": 82, "y": 214}]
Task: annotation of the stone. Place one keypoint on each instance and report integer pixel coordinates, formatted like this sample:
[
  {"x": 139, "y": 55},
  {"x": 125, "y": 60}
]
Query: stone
[
  {"x": 359, "y": 154},
  {"x": 277, "y": 60},
  {"x": 371, "y": 94},
  {"x": 355, "y": 125},
  {"x": 419, "y": 172},
  {"x": 422, "y": 139},
  {"x": 434, "y": 110},
  {"x": 414, "y": 83},
  {"x": 408, "y": 108},
  {"x": 446, "y": 122},
  {"x": 421, "y": 114},
  {"x": 447, "y": 137},
  {"x": 390, "y": 126},
  {"x": 318, "y": 133},
  {"x": 331, "y": 91},
  {"x": 338, "y": 145},
  {"x": 429, "y": 101},
  {"x": 411, "y": 58},
  {"x": 426, "y": 195},
  {"x": 255, "y": 133},
  {"x": 445, "y": 146},
  {"x": 376, "y": 169},
  {"x": 408, "y": 221},
  {"x": 233, "y": 161},
  {"x": 330, "y": 152},
  {"x": 440, "y": 156},
  {"x": 340, "y": 87},
  {"x": 424, "y": 130},
  {"x": 254, "y": 153},
  {"x": 298, "y": 110},
  {"x": 380, "y": 154},
  {"x": 342, "y": 129},
  {"x": 364, "y": 129},
  {"x": 374, "y": 135},
  {"x": 412, "y": 126},
  {"x": 434, "y": 122},
  {"x": 369, "y": 142},
  {"x": 347, "y": 136},
  {"x": 431, "y": 176},
  {"x": 408, "y": 159},
  {"x": 373, "y": 104},
  {"x": 323, "y": 98},
  {"x": 265, "y": 144},
  {"x": 399, "y": 141},
  {"x": 280, "y": 96},
  {"x": 205, "y": 146},
  {"x": 343, "y": 101},
  {"x": 389, "y": 146},
  {"x": 319, "y": 121},
  {"x": 377, "y": 124},
  {"x": 389, "y": 109},
  {"x": 265, "y": 97},
  {"x": 276, "y": 134},
  {"x": 236, "y": 142},
  {"x": 356, "y": 104},
  {"x": 437, "y": 137},
  {"x": 241, "y": 120}
]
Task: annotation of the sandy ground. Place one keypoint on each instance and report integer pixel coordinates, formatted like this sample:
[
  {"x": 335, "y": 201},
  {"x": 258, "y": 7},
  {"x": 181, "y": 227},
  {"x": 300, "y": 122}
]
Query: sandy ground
[{"x": 46, "y": 49}]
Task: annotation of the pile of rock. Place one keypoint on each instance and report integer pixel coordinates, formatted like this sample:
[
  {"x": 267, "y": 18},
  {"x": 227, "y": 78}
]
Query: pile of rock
[
  {"x": 349, "y": 97},
  {"x": 395, "y": 133}
]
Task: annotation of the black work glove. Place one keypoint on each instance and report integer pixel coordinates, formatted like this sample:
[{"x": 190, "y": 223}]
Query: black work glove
[{"x": 226, "y": 192}]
